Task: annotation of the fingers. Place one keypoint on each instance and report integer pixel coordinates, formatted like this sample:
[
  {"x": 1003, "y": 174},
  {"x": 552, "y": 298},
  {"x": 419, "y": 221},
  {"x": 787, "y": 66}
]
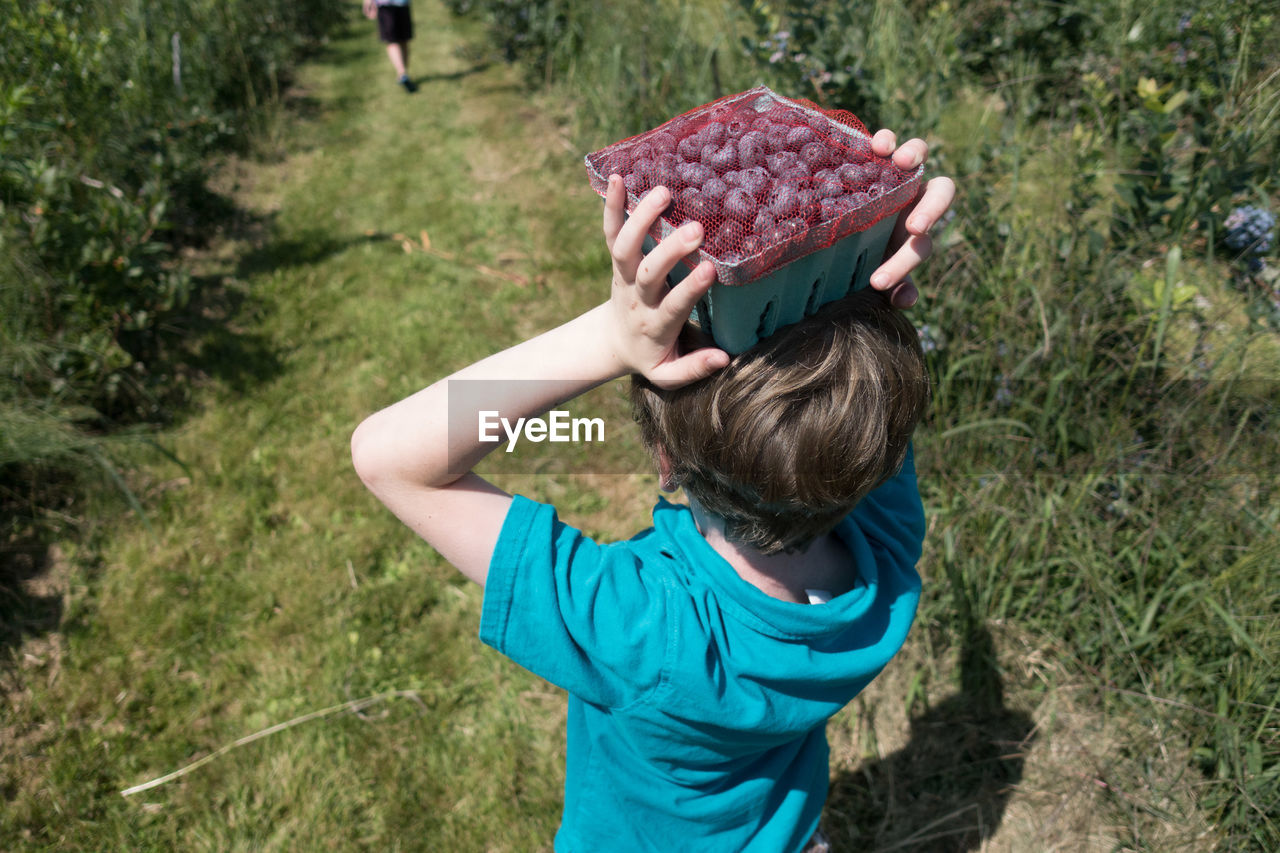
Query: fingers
[
  {"x": 911, "y": 154},
  {"x": 914, "y": 249},
  {"x": 688, "y": 368},
  {"x": 936, "y": 200},
  {"x": 629, "y": 238},
  {"x": 654, "y": 268},
  {"x": 908, "y": 155},
  {"x": 910, "y": 243},
  {"x": 676, "y": 306},
  {"x": 615, "y": 213},
  {"x": 679, "y": 302},
  {"x": 883, "y": 142}
]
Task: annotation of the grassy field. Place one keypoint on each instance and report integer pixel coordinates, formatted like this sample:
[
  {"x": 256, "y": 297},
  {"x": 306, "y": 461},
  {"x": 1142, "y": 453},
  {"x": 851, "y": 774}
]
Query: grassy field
[{"x": 1096, "y": 666}]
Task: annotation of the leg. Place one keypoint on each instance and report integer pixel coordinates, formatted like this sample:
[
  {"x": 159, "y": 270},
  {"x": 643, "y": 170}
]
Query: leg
[{"x": 397, "y": 52}]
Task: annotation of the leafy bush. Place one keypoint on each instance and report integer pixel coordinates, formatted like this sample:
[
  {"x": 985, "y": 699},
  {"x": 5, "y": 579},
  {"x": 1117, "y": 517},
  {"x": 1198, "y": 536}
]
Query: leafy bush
[
  {"x": 108, "y": 113},
  {"x": 627, "y": 66},
  {"x": 1179, "y": 97},
  {"x": 533, "y": 32}
]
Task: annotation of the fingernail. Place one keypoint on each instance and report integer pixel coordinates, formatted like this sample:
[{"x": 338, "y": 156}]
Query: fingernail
[
  {"x": 920, "y": 225},
  {"x": 879, "y": 280},
  {"x": 691, "y": 230}
]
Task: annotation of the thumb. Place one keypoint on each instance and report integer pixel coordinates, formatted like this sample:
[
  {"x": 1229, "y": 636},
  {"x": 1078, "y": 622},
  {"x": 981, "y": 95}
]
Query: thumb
[{"x": 688, "y": 368}]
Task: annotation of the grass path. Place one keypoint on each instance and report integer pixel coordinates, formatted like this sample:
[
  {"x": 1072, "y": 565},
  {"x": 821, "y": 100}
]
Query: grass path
[{"x": 402, "y": 237}]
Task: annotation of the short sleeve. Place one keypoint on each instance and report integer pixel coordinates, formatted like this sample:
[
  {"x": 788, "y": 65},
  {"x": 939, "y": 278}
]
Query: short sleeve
[
  {"x": 584, "y": 616},
  {"x": 892, "y": 517}
]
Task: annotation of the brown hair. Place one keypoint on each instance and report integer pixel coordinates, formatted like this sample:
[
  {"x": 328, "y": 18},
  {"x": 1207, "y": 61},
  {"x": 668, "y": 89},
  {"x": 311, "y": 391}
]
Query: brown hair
[{"x": 785, "y": 440}]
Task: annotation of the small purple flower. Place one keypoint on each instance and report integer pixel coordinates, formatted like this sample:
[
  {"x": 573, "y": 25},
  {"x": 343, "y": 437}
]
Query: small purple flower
[
  {"x": 1249, "y": 230},
  {"x": 928, "y": 342},
  {"x": 778, "y": 44},
  {"x": 1004, "y": 393}
]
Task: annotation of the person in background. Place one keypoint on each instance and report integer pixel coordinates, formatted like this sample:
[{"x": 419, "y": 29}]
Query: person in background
[{"x": 395, "y": 29}]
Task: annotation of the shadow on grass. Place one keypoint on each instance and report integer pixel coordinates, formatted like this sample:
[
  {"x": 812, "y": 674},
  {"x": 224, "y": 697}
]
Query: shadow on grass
[
  {"x": 309, "y": 247},
  {"x": 947, "y": 789},
  {"x": 450, "y": 76},
  {"x": 215, "y": 328},
  {"x": 25, "y": 609},
  {"x": 213, "y": 335},
  {"x": 215, "y": 342}
]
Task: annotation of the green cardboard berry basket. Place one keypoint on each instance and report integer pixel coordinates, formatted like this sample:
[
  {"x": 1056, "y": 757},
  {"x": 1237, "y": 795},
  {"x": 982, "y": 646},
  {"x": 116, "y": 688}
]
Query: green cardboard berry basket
[
  {"x": 782, "y": 283},
  {"x": 739, "y": 316}
]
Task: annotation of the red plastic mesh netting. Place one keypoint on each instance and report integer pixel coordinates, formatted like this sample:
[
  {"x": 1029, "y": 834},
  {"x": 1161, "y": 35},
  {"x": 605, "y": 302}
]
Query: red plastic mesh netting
[{"x": 771, "y": 179}]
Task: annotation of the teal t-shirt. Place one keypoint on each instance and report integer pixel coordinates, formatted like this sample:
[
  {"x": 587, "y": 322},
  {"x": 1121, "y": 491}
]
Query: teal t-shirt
[{"x": 698, "y": 703}]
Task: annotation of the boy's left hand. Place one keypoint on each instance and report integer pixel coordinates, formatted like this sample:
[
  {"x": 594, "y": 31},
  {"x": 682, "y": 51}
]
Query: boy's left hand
[
  {"x": 910, "y": 244},
  {"x": 648, "y": 315}
]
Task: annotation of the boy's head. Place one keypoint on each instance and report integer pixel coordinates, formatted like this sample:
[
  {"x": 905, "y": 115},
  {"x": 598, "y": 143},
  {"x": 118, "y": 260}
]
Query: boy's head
[{"x": 786, "y": 439}]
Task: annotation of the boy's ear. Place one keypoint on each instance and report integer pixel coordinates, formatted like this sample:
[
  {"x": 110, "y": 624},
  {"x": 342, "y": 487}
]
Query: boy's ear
[{"x": 665, "y": 480}]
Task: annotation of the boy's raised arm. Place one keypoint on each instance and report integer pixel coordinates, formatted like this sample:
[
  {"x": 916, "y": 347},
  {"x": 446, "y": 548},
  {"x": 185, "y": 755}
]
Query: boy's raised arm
[
  {"x": 407, "y": 455},
  {"x": 410, "y": 459}
]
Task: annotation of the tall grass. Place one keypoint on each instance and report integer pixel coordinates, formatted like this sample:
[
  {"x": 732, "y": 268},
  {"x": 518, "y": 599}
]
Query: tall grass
[{"x": 624, "y": 66}]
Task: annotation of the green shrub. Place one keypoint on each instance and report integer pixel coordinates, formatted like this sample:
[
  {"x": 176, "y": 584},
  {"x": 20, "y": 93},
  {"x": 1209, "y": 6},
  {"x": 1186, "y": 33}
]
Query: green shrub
[
  {"x": 627, "y": 66},
  {"x": 108, "y": 114},
  {"x": 1180, "y": 99}
]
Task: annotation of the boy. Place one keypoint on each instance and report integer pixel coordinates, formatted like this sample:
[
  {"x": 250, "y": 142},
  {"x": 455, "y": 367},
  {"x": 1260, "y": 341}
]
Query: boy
[
  {"x": 395, "y": 29},
  {"x": 700, "y": 676}
]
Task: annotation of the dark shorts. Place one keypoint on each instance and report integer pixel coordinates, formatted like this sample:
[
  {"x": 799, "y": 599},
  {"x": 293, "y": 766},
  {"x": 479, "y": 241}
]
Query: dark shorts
[{"x": 394, "y": 24}]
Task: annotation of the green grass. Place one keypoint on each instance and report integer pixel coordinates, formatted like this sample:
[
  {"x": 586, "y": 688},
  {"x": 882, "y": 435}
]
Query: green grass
[{"x": 1096, "y": 663}]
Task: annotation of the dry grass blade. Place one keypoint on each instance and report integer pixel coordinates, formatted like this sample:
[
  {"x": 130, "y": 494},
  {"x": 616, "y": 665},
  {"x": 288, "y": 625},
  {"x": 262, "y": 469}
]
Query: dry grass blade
[{"x": 354, "y": 706}]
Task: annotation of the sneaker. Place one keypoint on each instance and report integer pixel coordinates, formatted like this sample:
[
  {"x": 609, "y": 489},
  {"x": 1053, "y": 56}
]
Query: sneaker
[{"x": 409, "y": 85}]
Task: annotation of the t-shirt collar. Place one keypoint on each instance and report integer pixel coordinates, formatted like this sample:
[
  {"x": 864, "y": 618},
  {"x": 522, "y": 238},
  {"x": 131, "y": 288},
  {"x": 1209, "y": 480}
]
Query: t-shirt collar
[{"x": 678, "y": 533}]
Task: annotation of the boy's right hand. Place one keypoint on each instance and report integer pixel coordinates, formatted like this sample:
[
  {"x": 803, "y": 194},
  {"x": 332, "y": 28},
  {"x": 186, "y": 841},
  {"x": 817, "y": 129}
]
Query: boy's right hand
[{"x": 647, "y": 315}]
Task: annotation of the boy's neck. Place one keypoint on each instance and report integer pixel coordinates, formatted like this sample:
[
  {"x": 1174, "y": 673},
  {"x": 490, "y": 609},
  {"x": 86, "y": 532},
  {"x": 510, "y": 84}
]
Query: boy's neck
[{"x": 825, "y": 565}]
